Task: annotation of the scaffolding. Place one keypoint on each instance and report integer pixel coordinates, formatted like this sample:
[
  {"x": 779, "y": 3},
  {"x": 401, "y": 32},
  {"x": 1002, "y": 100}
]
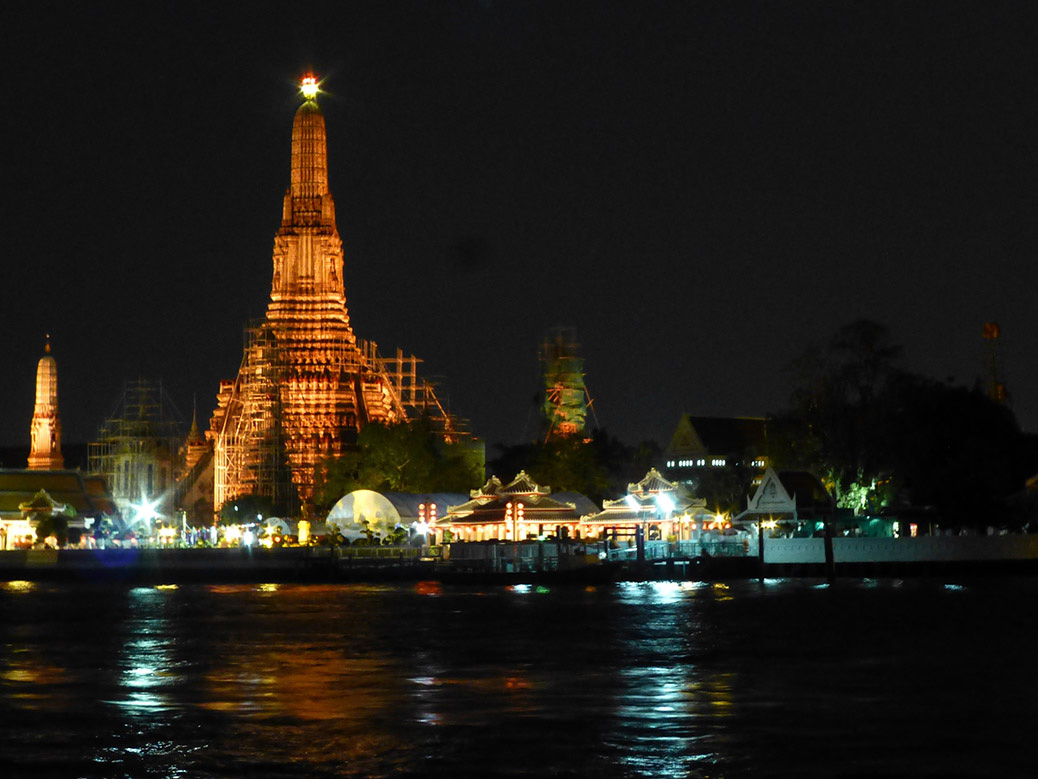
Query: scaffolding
[
  {"x": 139, "y": 448},
  {"x": 249, "y": 455},
  {"x": 996, "y": 388},
  {"x": 289, "y": 408},
  {"x": 566, "y": 398},
  {"x": 413, "y": 396}
]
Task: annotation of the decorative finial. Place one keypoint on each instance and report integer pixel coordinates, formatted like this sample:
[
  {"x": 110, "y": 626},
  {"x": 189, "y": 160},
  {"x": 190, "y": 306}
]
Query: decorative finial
[
  {"x": 46, "y": 346},
  {"x": 308, "y": 86},
  {"x": 193, "y": 432}
]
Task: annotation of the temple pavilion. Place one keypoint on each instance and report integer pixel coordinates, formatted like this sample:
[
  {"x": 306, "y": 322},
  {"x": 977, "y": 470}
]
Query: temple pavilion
[
  {"x": 788, "y": 498},
  {"x": 517, "y": 511},
  {"x": 661, "y": 508},
  {"x": 28, "y": 495}
]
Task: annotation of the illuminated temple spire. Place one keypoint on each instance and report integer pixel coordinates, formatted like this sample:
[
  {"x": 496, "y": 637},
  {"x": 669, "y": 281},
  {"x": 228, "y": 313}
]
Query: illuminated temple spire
[
  {"x": 307, "y": 249},
  {"x": 45, "y": 430},
  {"x": 305, "y": 386},
  {"x": 196, "y": 446}
]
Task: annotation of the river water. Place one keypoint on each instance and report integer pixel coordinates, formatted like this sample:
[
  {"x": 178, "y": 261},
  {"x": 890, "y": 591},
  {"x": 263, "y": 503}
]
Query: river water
[{"x": 861, "y": 679}]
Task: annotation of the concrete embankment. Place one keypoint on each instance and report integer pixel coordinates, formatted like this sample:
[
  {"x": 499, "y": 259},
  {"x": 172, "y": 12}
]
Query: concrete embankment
[
  {"x": 205, "y": 565},
  {"x": 300, "y": 564}
]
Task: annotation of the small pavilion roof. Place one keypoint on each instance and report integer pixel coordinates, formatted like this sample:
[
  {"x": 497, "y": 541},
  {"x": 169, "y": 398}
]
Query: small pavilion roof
[
  {"x": 86, "y": 495},
  {"x": 652, "y": 483},
  {"x": 490, "y": 503},
  {"x": 643, "y": 499}
]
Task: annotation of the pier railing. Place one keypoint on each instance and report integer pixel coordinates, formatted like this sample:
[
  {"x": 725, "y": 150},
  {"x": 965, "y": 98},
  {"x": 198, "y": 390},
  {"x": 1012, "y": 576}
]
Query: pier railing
[{"x": 506, "y": 556}]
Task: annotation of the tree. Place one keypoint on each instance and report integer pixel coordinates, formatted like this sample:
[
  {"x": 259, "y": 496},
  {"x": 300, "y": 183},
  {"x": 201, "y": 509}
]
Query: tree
[
  {"x": 956, "y": 450},
  {"x": 833, "y": 424},
  {"x": 50, "y": 524},
  {"x": 570, "y": 464},
  {"x": 404, "y": 457},
  {"x": 724, "y": 489},
  {"x": 245, "y": 509},
  {"x": 885, "y": 439},
  {"x": 599, "y": 467}
]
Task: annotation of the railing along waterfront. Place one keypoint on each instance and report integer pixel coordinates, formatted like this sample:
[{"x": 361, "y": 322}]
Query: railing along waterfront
[
  {"x": 681, "y": 550},
  {"x": 506, "y": 556},
  {"x": 379, "y": 552}
]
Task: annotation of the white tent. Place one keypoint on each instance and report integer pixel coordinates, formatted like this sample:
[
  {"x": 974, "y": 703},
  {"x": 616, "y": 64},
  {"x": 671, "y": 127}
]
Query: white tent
[
  {"x": 360, "y": 510},
  {"x": 381, "y": 512}
]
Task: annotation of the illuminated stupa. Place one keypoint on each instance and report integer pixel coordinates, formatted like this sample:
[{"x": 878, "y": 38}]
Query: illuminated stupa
[
  {"x": 306, "y": 383},
  {"x": 45, "y": 430}
]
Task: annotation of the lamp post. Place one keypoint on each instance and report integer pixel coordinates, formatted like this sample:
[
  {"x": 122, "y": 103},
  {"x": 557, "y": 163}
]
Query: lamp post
[{"x": 510, "y": 517}]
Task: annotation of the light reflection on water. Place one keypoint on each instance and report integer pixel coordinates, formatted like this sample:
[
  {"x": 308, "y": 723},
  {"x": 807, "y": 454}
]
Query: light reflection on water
[
  {"x": 18, "y": 585},
  {"x": 147, "y": 662},
  {"x": 650, "y": 679},
  {"x": 658, "y": 703},
  {"x": 148, "y": 674}
]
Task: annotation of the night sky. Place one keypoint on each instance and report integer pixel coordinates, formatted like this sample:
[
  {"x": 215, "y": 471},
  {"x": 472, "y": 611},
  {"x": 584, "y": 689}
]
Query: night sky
[{"x": 700, "y": 189}]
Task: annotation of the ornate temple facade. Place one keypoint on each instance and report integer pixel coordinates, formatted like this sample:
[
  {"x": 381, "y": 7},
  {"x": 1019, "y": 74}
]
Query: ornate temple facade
[
  {"x": 306, "y": 384},
  {"x": 662, "y": 508},
  {"x": 517, "y": 511},
  {"x": 45, "y": 430}
]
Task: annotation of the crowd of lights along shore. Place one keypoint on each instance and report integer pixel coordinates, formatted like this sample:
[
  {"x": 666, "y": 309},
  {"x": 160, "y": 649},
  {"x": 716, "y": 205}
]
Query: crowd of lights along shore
[{"x": 307, "y": 384}]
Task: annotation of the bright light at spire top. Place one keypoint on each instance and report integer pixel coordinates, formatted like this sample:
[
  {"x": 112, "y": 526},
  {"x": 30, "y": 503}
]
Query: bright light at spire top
[{"x": 308, "y": 86}]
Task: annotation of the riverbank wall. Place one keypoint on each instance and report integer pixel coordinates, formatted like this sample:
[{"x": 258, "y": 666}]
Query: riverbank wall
[{"x": 930, "y": 557}]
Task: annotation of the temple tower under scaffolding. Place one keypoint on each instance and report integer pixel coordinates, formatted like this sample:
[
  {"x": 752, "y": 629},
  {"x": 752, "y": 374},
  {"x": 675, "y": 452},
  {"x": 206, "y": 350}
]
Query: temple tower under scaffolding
[
  {"x": 306, "y": 384},
  {"x": 139, "y": 449},
  {"x": 566, "y": 400}
]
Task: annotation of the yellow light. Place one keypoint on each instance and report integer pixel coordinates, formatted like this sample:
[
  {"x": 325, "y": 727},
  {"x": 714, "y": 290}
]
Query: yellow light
[{"x": 308, "y": 86}]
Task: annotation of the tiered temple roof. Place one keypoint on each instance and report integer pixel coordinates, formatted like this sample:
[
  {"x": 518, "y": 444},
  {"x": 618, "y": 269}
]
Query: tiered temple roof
[
  {"x": 647, "y": 500},
  {"x": 86, "y": 495},
  {"x": 490, "y": 504}
]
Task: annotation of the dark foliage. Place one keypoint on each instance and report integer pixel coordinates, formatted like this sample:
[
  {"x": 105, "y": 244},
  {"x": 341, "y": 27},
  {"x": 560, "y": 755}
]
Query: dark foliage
[
  {"x": 887, "y": 440},
  {"x": 599, "y": 467},
  {"x": 53, "y": 525},
  {"x": 406, "y": 457},
  {"x": 246, "y": 509}
]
